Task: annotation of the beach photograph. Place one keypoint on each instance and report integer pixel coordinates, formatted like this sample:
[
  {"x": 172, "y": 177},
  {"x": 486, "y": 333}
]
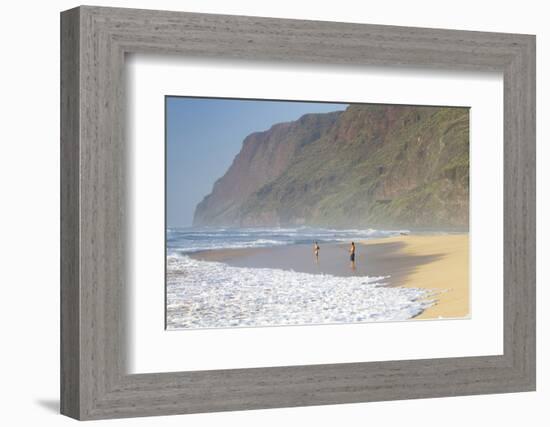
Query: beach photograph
[{"x": 283, "y": 213}]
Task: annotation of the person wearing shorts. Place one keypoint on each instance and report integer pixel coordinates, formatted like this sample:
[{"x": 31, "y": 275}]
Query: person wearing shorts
[
  {"x": 352, "y": 253},
  {"x": 316, "y": 250}
]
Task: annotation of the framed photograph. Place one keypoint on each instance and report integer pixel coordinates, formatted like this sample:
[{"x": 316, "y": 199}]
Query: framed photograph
[
  {"x": 261, "y": 213},
  {"x": 284, "y": 235}
]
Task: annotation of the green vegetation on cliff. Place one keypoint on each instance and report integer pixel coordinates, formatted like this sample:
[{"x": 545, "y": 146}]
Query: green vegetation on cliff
[{"x": 372, "y": 165}]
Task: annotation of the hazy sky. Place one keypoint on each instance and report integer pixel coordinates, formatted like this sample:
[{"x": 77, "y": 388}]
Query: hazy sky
[{"x": 204, "y": 135}]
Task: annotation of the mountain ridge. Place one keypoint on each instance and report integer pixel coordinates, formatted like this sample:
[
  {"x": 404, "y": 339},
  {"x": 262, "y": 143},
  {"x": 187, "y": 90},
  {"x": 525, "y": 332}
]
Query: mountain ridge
[{"x": 370, "y": 165}]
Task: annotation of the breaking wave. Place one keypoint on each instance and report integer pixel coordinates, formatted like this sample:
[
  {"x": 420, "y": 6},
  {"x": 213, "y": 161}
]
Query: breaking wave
[
  {"x": 188, "y": 240},
  {"x": 203, "y": 294}
]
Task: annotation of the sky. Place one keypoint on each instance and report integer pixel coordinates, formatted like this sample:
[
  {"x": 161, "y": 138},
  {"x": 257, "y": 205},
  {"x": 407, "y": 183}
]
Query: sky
[{"x": 203, "y": 136}]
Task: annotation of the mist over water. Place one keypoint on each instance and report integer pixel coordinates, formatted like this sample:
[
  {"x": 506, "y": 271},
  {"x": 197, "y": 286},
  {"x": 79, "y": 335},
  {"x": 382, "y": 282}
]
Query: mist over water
[{"x": 188, "y": 240}]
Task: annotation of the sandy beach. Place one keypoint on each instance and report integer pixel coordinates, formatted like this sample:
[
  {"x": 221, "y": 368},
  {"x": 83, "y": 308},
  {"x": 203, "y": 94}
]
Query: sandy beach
[
  {"x": 442, "y": 263},
  {"x": 435, "y": 262}
]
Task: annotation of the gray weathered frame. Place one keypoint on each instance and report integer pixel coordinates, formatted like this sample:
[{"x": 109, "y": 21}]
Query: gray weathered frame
[{"x": 94, "y": 41}]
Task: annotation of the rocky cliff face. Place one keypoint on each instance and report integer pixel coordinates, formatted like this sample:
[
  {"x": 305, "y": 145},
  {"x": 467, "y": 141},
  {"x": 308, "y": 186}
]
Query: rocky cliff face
[
  {"x": 371, "y": 165},
  {"x": 264, "y": 156}
]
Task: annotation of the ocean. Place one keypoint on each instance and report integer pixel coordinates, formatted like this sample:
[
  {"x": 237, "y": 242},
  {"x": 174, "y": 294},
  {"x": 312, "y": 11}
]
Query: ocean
[
  {"x": 207, "y": 294},
  {"x": 188, "y": 240}
]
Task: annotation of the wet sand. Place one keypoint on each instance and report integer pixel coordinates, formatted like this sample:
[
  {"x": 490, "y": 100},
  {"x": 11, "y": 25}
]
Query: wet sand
[
  {"x": 436, "y": 262},
  {"x": 371, "y": 260}
]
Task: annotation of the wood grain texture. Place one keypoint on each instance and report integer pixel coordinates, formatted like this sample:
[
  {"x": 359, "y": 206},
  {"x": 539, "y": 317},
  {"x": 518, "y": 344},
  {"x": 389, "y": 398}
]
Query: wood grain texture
[
  {"x": 70, "y": 292},
  {"x": 95, "y": 275}
]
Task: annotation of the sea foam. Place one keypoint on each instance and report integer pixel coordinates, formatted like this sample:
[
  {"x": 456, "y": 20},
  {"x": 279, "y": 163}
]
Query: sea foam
[{"x": 203, "y": 294}]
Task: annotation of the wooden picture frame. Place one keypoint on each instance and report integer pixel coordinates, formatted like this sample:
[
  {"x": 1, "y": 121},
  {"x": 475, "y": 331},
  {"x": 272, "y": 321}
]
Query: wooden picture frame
[{"x": 94, "y": 41}]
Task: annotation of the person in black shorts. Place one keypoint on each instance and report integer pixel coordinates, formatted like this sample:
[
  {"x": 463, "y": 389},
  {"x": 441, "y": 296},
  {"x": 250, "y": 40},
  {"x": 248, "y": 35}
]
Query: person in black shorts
[{"x": 352, "y": 255}]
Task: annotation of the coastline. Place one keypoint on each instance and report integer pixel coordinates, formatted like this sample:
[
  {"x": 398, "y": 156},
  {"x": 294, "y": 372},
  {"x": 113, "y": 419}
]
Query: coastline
[
  {"x": 438, "y": 262},
  {"x": 447, "y": 272},
  {"x": 333, "y": 259}
]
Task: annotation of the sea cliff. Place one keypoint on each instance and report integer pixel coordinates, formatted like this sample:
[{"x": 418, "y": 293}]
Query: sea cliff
[{"x": 370, "y": 165}]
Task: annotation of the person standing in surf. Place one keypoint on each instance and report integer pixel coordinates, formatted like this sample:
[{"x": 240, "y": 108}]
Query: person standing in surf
[
  {"x": 352, "y": 256},
  {"x": 316, "y": 249}
]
